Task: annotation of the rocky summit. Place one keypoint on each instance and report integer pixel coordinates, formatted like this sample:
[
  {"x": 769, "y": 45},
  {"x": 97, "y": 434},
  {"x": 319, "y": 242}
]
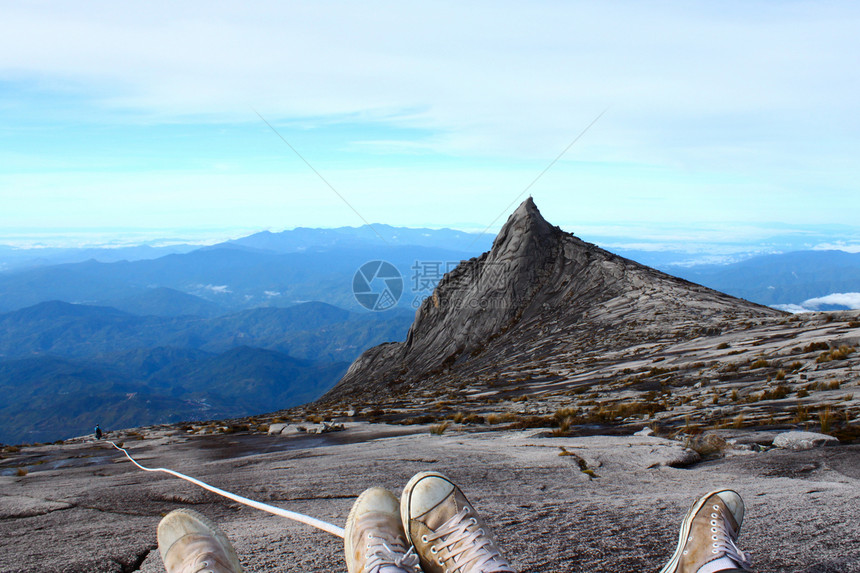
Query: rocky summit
[
  {"x": 546, "y": 329},
  {"x": 539, "y": 292}
]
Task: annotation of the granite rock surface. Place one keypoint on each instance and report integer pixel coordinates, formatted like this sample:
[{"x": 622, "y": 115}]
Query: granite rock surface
[{"x": 87, "y": 509}]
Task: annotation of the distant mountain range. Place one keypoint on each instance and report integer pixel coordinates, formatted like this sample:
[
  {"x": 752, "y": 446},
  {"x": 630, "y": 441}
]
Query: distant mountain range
[
  {"x": 283, "y": 269},
  {"x": 230, "y": 277},
  {"x": 47, "y": 398},
  {"x": 15, "y": 259},
  {"x": 65, "y": 367},
  {"x": 137, "y": 335},
  {"x": 784, "y": 279},
  {"x": 311, "y": 331}
]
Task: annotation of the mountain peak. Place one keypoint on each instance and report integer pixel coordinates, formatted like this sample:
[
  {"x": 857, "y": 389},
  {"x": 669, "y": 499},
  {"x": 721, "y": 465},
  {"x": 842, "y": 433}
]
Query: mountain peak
[
  {"x": 539, "y": 292},
  {"x": 525, "y": 222}
]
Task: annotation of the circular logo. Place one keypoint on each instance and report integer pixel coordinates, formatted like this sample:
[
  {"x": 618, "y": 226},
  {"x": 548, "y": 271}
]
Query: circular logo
[{"x": 377, "y": 285}]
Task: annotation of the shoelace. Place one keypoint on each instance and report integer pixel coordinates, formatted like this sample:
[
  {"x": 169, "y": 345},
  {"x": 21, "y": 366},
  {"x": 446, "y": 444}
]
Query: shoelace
[
  {"x": 466, "y": 546},
  {"x": 723, "y": 538},
  {"x": 201, "y": 564},
  {"x": 384, "y": 551}
]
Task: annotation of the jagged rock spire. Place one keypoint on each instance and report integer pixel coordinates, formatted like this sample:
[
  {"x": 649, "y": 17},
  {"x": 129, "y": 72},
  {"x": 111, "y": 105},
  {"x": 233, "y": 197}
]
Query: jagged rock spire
[
  {"x": 525, "y": 221},
  {"x": 538, "y": 287}
]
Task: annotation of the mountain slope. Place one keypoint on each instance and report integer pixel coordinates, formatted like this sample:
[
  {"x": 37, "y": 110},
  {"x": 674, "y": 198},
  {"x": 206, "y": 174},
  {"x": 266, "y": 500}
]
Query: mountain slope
[
  {"x": 163, "y": 301},
  {"x": 538, "y": 292}
]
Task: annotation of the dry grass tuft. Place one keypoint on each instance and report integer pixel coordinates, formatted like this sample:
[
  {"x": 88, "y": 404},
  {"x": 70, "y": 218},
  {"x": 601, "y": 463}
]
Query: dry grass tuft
[
  {"x": 777, "y": 393},
  {"x": 439, "y": 429},
  {"x": 815, "y": 346},
  {"x": 825, "y": 418},
  {"x": 840, "y": 353}
]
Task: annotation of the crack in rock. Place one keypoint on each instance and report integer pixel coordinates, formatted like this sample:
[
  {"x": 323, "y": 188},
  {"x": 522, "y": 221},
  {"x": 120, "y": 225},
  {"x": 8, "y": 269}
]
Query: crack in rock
[{"x": 136, "y": 562}]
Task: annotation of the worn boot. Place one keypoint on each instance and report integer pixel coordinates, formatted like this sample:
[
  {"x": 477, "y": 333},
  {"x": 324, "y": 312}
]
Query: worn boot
[
  {"x": 190, "y": 543},
  {"x": 373, "y": 538},
  {"x": 447, "y": 533},
  {"x": 706, "y": 543}
]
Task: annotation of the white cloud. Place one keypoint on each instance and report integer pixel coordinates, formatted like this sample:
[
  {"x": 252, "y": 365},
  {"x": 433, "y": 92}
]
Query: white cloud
[
  {"x": 488, "y": 76},
  {"x": 217, "y": 289},
  {"x": 849, "y": 299},
  {"x": 838, "y": 246},
  {"x": 792, "y": 308}
]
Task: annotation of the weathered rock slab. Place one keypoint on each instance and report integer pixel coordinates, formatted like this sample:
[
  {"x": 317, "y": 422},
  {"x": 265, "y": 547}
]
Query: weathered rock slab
[
  {"x": 548, "y": 514},
  {"x": 25, "y": 506},
  {"x": 803, "y": 440}
]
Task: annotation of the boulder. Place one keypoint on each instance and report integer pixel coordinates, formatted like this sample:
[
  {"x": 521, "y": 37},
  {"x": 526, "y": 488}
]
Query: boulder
[
  {"x": 803, "y": 440},
  {"x": 275, "y": 429}
]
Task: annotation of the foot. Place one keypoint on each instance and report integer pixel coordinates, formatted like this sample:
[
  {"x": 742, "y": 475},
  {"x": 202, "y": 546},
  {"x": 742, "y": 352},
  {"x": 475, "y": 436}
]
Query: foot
[
  {"x": 190, "y": 543},
  {"x": 373, "y": 538},
  {"x": 447, "y": 533},
  {"x": 706, "y": 543}
]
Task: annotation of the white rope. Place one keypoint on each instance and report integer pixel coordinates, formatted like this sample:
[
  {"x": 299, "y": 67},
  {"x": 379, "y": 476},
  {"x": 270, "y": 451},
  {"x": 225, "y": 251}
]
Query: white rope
[{"x": 312, "y": 521}]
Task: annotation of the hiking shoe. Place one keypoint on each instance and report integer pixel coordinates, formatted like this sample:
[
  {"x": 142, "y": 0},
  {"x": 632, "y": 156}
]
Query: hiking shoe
[
  {"x": 706, "y": 543},
  {"x": 447, "y": 533},
  {"x": 190, "y": 543},
  {"x": 373, "y": 538}
]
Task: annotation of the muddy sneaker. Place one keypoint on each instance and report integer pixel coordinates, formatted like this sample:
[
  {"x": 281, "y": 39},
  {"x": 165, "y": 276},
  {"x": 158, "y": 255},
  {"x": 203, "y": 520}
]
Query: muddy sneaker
[
  {"x": 190, "y": 543},
  {"x": 447, "y": 534},
  {"x": 708, "y": 535},
  {"x": 373, "y": 538}
]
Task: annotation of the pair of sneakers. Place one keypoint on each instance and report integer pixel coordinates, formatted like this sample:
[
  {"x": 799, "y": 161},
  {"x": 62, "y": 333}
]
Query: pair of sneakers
[{"x": 433, "y": 528}]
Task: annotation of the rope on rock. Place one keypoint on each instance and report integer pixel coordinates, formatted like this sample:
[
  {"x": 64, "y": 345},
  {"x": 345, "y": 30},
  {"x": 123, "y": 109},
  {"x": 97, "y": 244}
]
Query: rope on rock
[{"x": 307, "y": 520}]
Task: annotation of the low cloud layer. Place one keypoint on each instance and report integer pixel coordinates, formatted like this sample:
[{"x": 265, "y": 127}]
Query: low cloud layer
[{"x": 849, "y": 300}]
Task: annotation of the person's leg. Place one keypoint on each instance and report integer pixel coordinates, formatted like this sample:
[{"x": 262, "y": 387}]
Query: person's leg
[
  {"x": 190, "y": 543},
  {"x": 708, "y": 536},
  {"x": 447, "y": 533},
  {"x": 374, "y": 541}
]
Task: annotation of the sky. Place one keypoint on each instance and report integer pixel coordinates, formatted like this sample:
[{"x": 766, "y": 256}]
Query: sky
[{"x": 679, "y": 120}]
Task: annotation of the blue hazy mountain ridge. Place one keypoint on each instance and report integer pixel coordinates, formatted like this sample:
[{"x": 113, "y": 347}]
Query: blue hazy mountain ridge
[
  {"x": 64, "y": 366},
  {"x": 280, "y": 269},
  {"x": 164, "y": 301},
  {"x": 161, "y": 355},
  {"x": 49, "y": 398},
  {"x": 290, "y": 241},
  {"x": 789, "y": 278},
  {"x": 12, "y": 258},
  {"x": 302, "y": 238},
  {"x": 313, "y": 331},
  {"x": 230, "y": 276}
]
